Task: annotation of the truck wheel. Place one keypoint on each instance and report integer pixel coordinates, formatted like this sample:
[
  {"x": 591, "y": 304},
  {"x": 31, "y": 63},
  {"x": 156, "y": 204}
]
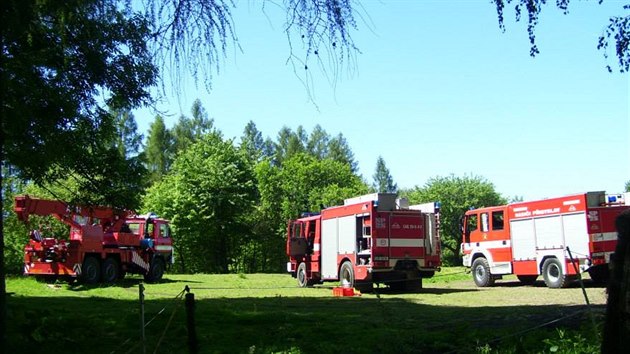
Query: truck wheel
[
  {"x": 302, "y": 277},
  {"x": 156, "y": 270},
  {"x": 481, "y": 273},
  {"x": 527, "y": 279},
  {"x": 91, "y": 270},
  {"x": 346, "y": 274},
  {"x": 552, "y": 272},
  {"x": 110, "y": 270}
]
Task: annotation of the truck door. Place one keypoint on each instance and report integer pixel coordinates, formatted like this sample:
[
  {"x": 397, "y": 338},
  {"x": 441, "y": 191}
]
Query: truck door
[{"x": 470, "y": 227}]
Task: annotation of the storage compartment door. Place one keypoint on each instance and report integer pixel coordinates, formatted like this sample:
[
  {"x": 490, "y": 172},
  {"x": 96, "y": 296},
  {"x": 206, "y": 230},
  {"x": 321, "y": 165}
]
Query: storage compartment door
[
  {"x": 575, "y": 234},
  {"x": 523, "y": 239},
  {"x": 549, "y": 233},
  {"x": 329, "y": 248}
]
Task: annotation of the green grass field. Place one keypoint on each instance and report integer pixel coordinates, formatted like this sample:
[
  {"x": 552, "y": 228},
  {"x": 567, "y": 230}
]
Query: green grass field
[{"x": 268, "y": 313}]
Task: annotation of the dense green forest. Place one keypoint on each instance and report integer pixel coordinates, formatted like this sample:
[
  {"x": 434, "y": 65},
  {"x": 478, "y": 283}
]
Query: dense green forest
[{"x": 229, "y": 199}]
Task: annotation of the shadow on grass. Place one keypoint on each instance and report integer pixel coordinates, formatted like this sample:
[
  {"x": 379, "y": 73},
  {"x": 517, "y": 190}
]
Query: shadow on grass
[
  {"x": 280, "y": 324},
  {"x": 588, "y": 283},
  {"x": 432, "y": 291},
  {"x": 125, "y": 283}
]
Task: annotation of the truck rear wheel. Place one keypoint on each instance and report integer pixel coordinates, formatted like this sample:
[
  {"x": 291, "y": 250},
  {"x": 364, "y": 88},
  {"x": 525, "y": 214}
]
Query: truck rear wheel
[
  {"x": 91, "y": 270},
  {"x": 553, "y": 274},
  {"x": 110, "y": 270},
  {"x": 156, "y": 270},
  {"x": 301, "y": 276},
  {"x": 481, "y": 273},
  {"x": 346, "y": 274}
]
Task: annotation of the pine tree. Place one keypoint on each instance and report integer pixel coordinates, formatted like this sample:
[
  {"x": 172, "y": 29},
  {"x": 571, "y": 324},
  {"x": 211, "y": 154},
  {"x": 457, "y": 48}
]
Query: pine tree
[
  {"x": 252, "y": 141},
  {"x": 339, "y": 150},
  {"x": 383, "y": 181},
  {"x": 317, "y": 144},
  {"x": 128, "y": 141},
  {"x": 158, "y": 153}
]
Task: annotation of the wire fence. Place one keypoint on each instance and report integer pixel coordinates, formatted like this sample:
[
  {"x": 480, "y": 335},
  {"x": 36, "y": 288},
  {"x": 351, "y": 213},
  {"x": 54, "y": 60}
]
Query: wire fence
[
  {"x": 132, "y": 343},
  {"x": 175, "y": 304}
]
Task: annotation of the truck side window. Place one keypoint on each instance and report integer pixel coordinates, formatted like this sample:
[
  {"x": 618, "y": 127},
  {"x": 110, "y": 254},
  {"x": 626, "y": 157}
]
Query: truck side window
[
  {"x": 134, "y": 228},
  {"x": 164, "y": 231},
  {"x": 471, "y": 223},
  {"x": 297, "y": 230},
  {"x": 497, "y": 220},
  {"x": 484, "y": 222},
  {"x": 149, "y": 230}
]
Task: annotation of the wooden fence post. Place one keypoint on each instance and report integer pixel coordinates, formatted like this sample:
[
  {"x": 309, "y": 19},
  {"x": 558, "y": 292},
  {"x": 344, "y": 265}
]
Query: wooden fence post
[
  {"x": 142, "y": 335},
  {"x": 617, "y": 325},
  {"x": 190, "y": 322}
]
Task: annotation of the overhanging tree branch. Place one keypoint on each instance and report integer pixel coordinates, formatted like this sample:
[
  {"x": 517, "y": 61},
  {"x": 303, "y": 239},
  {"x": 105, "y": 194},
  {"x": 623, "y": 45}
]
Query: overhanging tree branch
[{"x": 617, "y": 30}]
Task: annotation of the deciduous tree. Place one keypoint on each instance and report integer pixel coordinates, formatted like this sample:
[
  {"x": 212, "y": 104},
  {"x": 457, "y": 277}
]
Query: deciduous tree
[{"x": 206, "y": 195}]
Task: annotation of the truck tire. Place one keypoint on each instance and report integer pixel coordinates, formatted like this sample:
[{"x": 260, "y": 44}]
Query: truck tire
[
  {"x": 553, "y": 275},
  {"x": 481, "y": 273},
  {"x": 110, "y": 270},
  {"x": 91, "y": 270},
  {"x": 527, "y": 279},
  {"x": 346, "y": 274},
  {"x": 301, "y": 276},
  {"x": 156, "y": 270}
]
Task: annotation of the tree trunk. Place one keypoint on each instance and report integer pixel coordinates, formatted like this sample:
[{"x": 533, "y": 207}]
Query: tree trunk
[
  {"x": 3, "y": 285},
  {"x": 617, "y": 326}
]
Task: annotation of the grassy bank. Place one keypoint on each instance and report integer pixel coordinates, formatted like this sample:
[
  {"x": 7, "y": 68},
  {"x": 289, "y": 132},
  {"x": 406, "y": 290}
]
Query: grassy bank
[{"x": 264, "y": 313}]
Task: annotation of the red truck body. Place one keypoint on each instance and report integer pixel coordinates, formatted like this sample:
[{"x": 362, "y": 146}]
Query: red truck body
[
  {"x": 103, "y": 245},
  {"x": 370, "y": 239},
  {"x": 540, "y": 238}
]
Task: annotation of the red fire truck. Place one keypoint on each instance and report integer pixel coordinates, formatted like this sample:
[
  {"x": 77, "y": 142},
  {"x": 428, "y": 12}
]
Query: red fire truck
[
  {"x": 540, "y": 237},
  {"x": 103, "y": 244},
  {"x": 374, "y": 238}
]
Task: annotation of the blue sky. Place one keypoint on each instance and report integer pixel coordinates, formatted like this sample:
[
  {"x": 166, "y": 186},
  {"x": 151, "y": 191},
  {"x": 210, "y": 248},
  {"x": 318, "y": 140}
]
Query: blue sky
[{"x": 438, "y": 89}]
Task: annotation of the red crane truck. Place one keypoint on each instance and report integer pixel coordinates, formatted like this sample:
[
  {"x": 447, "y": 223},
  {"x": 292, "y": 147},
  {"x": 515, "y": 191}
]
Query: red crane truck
[
  {"x": 103, "y": 245},
  {"x": 540, "y": 237},
  {"x": 374, "y": 238}
]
